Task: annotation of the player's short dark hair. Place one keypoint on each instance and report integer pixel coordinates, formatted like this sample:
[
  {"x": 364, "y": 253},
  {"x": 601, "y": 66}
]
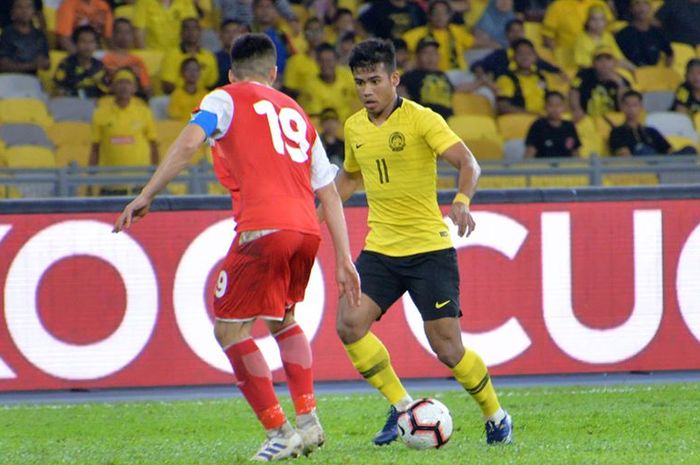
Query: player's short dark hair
[
  {"x": 121, "y": 20},
  {"x": 372, "y": 52},
  {"x": 632, "y": 93},
  {"x": 514, "y": 22},
  {"x": 520, "y": 42},
  {"x": 326, "y": 47},
  {"x": 553, "y": 93},
  {"x": 252, "y": 55},
  {"x": 86, "y": 29},
  {"x": 692, "y": 64}
]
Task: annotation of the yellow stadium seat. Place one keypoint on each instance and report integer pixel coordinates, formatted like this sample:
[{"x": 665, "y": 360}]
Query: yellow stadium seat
[
  {"x": 446, "y": 182},
  {"x": 124, "y": 11},
  {"x": 604, "y": 125},
  {"x": 25, "y": 110},
  {"x": 502, "y": 182},
  {"x": 474, "y": 127},
  {"x": 696, "y": 122},
  {"x": 486, "y": 149},
  {"x": 70, "y": 133},
  {"x": 46, "y": 76},
  {"x": 79, "y": 153},
  {"x": 654, "y": 78},
  {"x": 679, "y": 142},
  {"x": 682, "y": 54},
  {"x": 515, "y": 125},
  {"x": 167, "y": 131},
  {"x": 465, "y": 103},
  {"x": 633, "y": 179},
  {"x": 30, "y": 156},
  {"x": 559, "y": 181}
]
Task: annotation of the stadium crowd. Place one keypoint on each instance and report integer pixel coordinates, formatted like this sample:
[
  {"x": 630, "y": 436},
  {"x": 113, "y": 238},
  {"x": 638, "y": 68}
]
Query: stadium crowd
[{"x": 109, "y": 83}]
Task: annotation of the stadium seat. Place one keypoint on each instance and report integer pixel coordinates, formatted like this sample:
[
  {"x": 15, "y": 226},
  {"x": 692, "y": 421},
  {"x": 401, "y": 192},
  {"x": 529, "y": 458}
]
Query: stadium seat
[
  {"x": 632, "y": 179},
  {"x": 68, "y": 153},
  {"x": 72, "y": 109},
  {"x": 485, "y": 149},
  {"x": 514, "y": 150},
  {"x": 682, "y": 54},
  {"x": 654, "y": 78},
  {"x": 658, "y": 100},
  {"x": 167, "y": 130},
  {"x": 680, "y": 142},
  {"x": 515, "y": 125},
  {"x": 465, "y": 103},
  {"x": 502, "y": 182},
  {"x": 446, "y": 182},
  {"x": 473, "y": 55},
  {"x": 24, "y": 110},
  {"x": 15, "y": 85},
  {"x": 672, "y": 124},
  {"x": 70, "y": 133},
  {"x": 46, "y": 76},
  {"x": 159, "y": 106},
  {"x": 696, "y": 121},
  {"x": 24, "y": 134},
  {"x": 30, "y": 156},
  {"x": 474, "y": 127}
]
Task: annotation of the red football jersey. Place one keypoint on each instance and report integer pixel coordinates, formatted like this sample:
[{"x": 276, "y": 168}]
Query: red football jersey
[{"x": 264, "y": 157}]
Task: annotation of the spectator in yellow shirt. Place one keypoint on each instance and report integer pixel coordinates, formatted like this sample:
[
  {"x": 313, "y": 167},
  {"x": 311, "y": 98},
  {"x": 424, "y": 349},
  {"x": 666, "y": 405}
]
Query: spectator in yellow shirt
[
  {"x": 333, "y": 87},
  {"x": 563, "y": 23},
  {"x": 123, "y": 131},
  {"x": 523, "y": 87},
  {"x": 595, "y": 35},
  {"x": 157, "y": 22},
  {"x": 186, "y": 98},
  {"x": 453, "y": 38},
  {"x": 302, "y": 67},
  {"x": 190, "y": 47}
]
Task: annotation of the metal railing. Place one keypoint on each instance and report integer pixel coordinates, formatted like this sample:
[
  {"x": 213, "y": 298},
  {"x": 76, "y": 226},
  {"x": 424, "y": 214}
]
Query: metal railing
[{"x": 73, "y": 180}]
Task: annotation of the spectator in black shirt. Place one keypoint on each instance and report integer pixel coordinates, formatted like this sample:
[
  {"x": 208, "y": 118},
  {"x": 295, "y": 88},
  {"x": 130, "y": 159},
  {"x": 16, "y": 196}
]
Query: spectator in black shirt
[
  {"x": 6, "y": 13},
  {"x": 688, "y": 93},
  {"x": 641, "y": 42},
  {"x": 81, "y": 75},
  {"x": 23, "y": 48},
  {"x": 496, "y": 63},
  {"x": 633, "y": 138},
  {"x": 426, "y": 84},
  {"x": 552, "y": 136},
  {"x": 334, "y": 145},
  {"x": 680, "y": 19},
  {"x": 597, "y": 90},
  {"x": 392, "y": 18}
]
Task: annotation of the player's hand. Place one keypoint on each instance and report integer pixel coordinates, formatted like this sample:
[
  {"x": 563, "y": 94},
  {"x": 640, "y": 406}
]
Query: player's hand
[
  {"x": 348, "y": 282},
  {"x": 462, "y": 218},
  {"x": 137, "y": 209}
]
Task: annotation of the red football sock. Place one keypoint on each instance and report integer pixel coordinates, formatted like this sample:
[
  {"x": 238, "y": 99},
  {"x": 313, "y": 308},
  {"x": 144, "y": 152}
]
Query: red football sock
[
  {"x": 296, "y": 360},
  {"x": 255, "y": 382}
]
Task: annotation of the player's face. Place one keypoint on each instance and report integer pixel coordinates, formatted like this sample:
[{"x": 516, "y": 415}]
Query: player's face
[
  {"x": 632, "y": 108},
  {"x": 376, "y": 87},
  {"x": 554, "y": 107},
  {"x": 86, "y": 44}
]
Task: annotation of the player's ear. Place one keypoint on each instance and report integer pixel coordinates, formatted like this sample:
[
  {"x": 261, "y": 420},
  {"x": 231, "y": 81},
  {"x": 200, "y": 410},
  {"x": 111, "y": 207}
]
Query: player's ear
[
  {"x": 273, "y": 75},
  {"x": 395, "y": 78},
  {"x": 231, "y": 77}
]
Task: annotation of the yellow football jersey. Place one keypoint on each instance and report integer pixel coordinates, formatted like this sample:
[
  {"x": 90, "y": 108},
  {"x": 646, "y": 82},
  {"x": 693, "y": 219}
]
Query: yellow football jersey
[{"x": 398, "y": 163}]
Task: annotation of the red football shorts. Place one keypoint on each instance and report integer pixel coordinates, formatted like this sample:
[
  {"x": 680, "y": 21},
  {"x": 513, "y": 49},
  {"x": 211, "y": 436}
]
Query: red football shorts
[{"x": 260, "y": 278}]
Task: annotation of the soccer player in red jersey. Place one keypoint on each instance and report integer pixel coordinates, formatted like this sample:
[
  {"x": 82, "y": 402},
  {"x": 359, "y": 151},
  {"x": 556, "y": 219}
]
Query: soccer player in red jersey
[{"x": 270, "y": 157}]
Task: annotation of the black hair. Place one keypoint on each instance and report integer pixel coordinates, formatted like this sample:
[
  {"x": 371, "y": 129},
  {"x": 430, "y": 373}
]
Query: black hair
[
  {"x": 228, "y": 21},
  {"x": 553, "y": 93},
  {"x": 341, "y": 12},
  {"x": 632, "y": 93},
  {"x": 189, "y": 18},
  {"x": 692, "y": 64},
  {"x": 252, "y": 55},
  {"x": 514, "y": 22},
  {"x": 520, "y": 42},
  {"x": 121, "y": 20},
  {"x": 372, "y": 52},
  {"x": 399, "y": 43},
  {"x": 187, "y": 61},
  {"x": 310, "y": 21},
  {"x": 326, "y": 47},
  {"x": 86, "y": 29},
  {"x": 435, "y": 3}
]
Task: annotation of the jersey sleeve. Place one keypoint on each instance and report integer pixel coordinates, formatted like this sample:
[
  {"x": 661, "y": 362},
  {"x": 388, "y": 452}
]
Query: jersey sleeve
[
  {"x": 435, "y": 131},
  {"x": 322, "y": 171},
  {"x": 215, "y": 114}
]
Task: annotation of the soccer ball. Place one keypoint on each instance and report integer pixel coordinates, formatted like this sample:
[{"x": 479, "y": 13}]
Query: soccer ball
[{"x": 426, "y": 423}]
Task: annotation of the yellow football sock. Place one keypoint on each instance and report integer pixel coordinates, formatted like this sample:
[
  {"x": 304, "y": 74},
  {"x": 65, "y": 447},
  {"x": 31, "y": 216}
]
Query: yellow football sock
[
  {"x": 371, "y": 359},
  {"x": 472, "y": 374}
]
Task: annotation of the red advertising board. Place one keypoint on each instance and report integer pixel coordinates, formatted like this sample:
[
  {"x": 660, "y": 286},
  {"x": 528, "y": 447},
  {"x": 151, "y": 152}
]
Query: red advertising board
[{"x": 546, "y": 288}]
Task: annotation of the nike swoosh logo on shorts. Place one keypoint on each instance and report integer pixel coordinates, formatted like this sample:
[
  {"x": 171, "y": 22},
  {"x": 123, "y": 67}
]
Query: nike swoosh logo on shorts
[{"x": 442, "y": 304}]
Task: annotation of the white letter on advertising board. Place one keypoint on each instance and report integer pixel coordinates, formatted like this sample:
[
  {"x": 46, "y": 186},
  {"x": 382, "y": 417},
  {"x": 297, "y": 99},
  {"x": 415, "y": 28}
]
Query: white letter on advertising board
[
  {"x": 85, "y": 361},
  {"x": 190, "y": 290},
  {"x": 501, "y": 234},
  {"x": 688, "y": 282},
  {"x": 610, "y": 345}
]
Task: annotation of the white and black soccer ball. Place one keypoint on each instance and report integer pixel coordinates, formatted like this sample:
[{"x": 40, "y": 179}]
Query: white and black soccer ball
[{"x": 426, "y": 423}]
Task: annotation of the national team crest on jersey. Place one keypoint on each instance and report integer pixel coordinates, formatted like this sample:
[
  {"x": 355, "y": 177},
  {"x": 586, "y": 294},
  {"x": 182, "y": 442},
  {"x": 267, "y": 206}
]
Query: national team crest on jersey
[{"x": 397, "y": 141}]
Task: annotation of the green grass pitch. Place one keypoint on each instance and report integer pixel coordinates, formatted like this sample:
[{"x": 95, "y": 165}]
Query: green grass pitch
[{"x": 587, "y": 425}]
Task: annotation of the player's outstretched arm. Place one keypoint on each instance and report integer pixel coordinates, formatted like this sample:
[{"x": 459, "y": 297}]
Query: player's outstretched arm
[
  {"x": 459, "y": 156},
  {"x": 345, "y": 273},
  {"x": 176, "y": 159}
]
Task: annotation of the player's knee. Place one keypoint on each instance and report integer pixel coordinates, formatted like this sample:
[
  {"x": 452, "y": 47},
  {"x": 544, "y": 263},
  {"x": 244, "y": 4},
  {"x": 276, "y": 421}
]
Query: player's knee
[{"x": 450, "y": 354}]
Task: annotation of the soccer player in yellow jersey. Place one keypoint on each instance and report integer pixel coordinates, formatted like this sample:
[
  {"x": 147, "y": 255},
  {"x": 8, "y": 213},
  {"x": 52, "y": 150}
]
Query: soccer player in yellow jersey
[{"x": 392, "y": 146}]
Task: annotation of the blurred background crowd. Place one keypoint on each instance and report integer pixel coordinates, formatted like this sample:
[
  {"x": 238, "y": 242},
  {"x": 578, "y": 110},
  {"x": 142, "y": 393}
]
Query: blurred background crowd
[{"x": 110, "y": 82}]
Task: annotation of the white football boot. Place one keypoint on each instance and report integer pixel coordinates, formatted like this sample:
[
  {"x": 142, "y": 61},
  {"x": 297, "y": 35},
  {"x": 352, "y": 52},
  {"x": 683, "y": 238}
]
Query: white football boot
[
  {"x": 311, "y": 432},
  {"x": 282, "y": 443}
]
